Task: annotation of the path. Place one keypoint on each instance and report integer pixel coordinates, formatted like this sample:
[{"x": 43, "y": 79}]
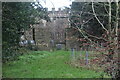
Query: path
[{"x": 43, "y": 64}]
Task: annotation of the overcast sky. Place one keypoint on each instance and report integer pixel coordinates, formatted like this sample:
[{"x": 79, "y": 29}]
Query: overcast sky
[{"x": 55, "y": 3}]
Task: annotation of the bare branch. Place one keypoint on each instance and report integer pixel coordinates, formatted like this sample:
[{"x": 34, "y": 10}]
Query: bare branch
[
  {"x": 98, "y": 19},
  {"x": 86, "y": 21},
  {"x": 83, "y": 32},
  {"x": 86, "y": 37},
  {"x": 95, "y": 36},
  {"x": 106, "y": 8}
]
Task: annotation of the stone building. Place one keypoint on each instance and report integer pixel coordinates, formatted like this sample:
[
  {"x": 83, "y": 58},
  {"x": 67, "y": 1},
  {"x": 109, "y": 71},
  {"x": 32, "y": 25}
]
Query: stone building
[
  {"x": 47, "y": 35},
  {"x": 60, "y": 22}
]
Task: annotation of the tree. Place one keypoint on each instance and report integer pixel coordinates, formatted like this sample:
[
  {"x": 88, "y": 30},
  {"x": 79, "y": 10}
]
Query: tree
[
  {"x": 17, "y": 16},
  {"x": 99, "y": 22}
]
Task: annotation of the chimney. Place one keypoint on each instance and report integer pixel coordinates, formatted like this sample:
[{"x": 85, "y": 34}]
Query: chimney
[
  {"x": 59, "y": 9},
  {"x": 53, "y": 9},
  {"x": 46, "y": 9}
]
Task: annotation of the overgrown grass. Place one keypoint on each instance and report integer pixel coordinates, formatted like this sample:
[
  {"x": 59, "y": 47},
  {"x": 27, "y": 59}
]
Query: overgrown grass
[{"x": 44, "y": 64}]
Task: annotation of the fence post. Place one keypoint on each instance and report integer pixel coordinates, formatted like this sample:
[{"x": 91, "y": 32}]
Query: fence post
[
  {"x": 86, "y": 57},
  {"x": 73, "y": 53}
]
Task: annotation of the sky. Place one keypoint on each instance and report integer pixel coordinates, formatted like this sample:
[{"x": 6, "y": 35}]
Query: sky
[{"x": 55, "y": 3}]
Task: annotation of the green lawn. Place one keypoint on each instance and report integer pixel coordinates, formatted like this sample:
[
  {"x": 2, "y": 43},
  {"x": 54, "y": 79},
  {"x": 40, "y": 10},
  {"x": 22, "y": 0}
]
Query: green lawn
[{"x": 44, "y": 64}]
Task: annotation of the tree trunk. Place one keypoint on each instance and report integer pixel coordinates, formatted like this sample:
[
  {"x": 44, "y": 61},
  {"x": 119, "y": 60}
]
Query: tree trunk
[
  {"x": 111, "y": 50},
  {"x": 34, "y": 34},
  {"x": 116, "y": 27}
]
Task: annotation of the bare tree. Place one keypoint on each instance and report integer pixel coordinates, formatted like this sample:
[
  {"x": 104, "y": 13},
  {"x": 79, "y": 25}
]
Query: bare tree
[{"x": 111, "y": 32}]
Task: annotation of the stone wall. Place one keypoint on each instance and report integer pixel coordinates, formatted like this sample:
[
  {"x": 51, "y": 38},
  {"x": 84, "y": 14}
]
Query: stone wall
[
  {"x": 42, "y": 38},
  {"x": 29, "y": 34}
]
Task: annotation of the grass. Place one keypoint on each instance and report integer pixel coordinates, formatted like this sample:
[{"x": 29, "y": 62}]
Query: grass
[{"x": 44, "y": 64}]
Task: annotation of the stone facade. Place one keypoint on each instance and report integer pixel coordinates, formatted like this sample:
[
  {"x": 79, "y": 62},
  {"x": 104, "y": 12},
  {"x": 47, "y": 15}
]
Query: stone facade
[{"x": 45, "y": 32}]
